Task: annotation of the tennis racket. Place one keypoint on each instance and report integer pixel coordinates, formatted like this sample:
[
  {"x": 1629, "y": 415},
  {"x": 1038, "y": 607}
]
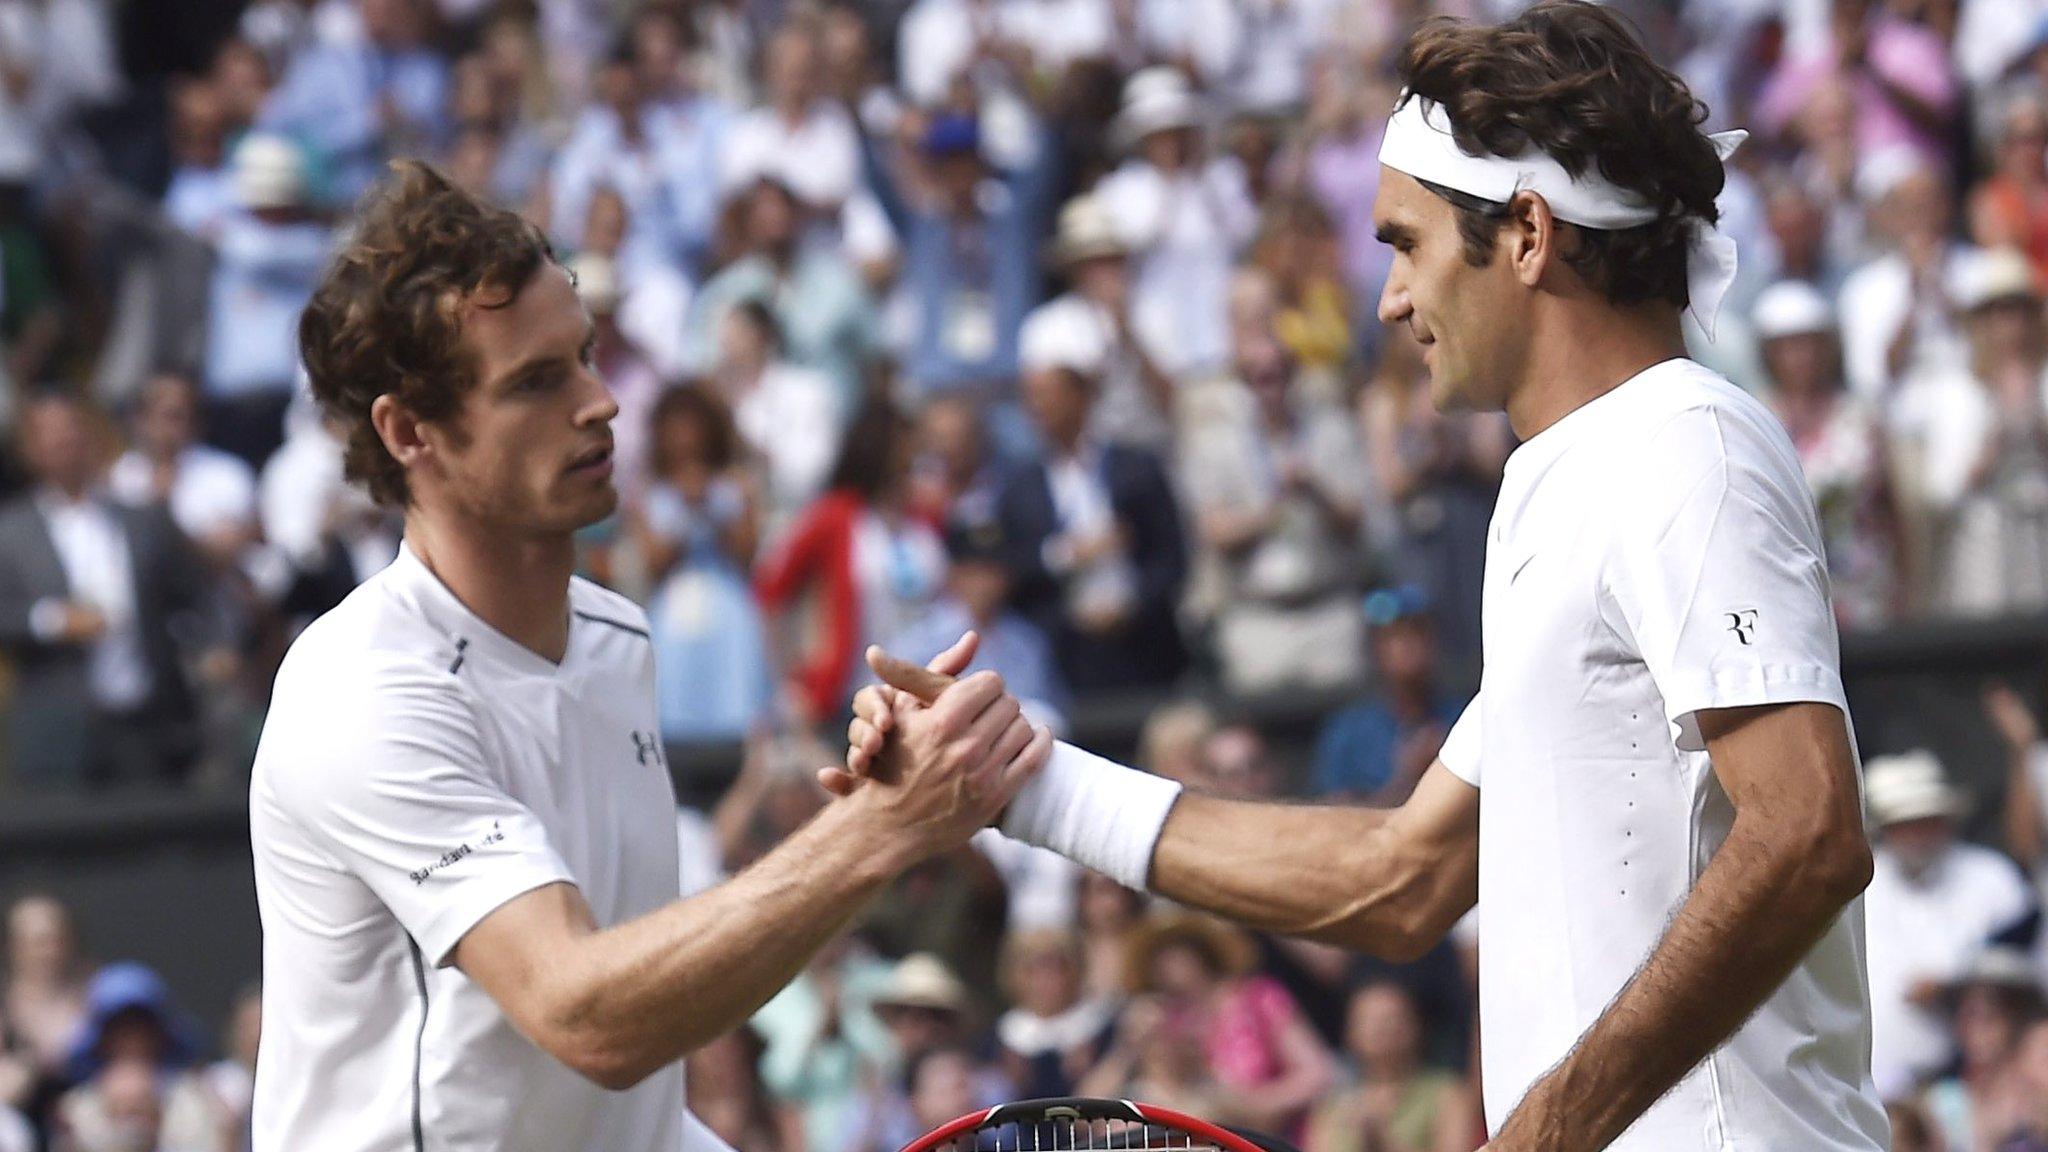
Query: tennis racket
[{"x": 1082, "y": 1125}]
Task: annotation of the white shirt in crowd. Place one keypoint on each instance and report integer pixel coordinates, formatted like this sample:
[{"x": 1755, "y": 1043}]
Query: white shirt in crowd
[
  {"x": 936, "y": 43},
  {"x": 1184, "y": 231},
  {"x": 15, "y": 1134},
  {"x": 1878, "y": 301},
  {"x": 417, "y": 770},
  {"x": 92, "y": 548},
  {"x": 791, "y": 417},
  {"x": 211, "y": 490},
  {"x": 1653, "y": 554},
  {"x": 818, "y": 157},
  {"x": 1930, "y": 929}
]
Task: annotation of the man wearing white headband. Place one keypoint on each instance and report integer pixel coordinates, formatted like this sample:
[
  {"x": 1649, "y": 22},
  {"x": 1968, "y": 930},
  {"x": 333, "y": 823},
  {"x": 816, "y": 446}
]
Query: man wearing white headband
[{"x": 1654, "y": 798}]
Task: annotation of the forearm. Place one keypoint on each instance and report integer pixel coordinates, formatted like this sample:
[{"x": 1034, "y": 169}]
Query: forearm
[
  {"x": 2022, "y": 809},
  {"x": 1342, "y": 875},
  {"x": 649, "y": 991},
  {"x": 1760, "y": 907}
]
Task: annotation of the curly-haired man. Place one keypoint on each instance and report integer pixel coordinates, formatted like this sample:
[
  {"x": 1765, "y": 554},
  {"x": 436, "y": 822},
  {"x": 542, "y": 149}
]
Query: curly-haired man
[
  {"x": 463, "y": 821},
  {"x": 1667, "y": 852}
]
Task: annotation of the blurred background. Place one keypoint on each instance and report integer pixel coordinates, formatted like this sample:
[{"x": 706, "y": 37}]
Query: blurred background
[{"x": 1051, "y": 318}]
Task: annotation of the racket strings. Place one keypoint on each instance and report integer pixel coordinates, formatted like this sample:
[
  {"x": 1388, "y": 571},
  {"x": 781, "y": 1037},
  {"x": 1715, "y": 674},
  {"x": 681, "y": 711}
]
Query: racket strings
[{"x": 1077, "y": 1135}]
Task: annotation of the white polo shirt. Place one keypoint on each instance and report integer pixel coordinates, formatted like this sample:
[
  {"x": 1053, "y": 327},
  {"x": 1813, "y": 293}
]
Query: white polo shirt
[
  {"x": 417, "y": 770},
  {"x": 1654, "y": 553}
]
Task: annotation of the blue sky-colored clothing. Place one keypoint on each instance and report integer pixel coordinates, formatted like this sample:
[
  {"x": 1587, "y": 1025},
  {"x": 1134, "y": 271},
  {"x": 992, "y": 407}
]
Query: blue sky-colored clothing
[
  {"x": 262, "y": 277},
  {"x": 827, "y": 318},
  {"x": 972, "y": 280},
  {"x": 1355, "y": 750},
  {"x": 671, "y": 193},
  {"x": 1011, "y": 646},
  {"x": 328, "y": 100}
]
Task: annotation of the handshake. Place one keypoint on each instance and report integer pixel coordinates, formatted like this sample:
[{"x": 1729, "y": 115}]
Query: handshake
[
  {"x": 937, "y": 759},
  {"x": 934, "y": 758}
]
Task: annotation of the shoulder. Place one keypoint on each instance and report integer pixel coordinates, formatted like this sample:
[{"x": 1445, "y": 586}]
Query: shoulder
[
  {"x": 1694, "y": 428},
  {"x": 594, "y": 602},
  {"x": 1978, "y": 866}
]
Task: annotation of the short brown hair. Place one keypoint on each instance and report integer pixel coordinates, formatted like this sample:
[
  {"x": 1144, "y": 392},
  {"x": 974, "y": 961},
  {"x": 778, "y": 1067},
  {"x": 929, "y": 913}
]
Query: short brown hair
[
  {"x": 693, "y": 400},
  {"x": 1569, "y": 78},
  {"x": 387, "y": 316}
]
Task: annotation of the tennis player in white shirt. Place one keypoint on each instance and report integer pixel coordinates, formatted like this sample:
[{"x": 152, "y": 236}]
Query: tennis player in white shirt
[
  {"x": 463, "y": 823},
  {"x": 1654, "y": 798}
]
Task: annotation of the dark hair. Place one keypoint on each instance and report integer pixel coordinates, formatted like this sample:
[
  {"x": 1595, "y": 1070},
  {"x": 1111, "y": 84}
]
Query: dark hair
[
  {"x": 693, "y": 401},
  {"x": 1570, "y": 79},
  {"x": 387, "y": 316},
  {"x": 756, "y": 311},
  {"x": 867, "y": 456}
]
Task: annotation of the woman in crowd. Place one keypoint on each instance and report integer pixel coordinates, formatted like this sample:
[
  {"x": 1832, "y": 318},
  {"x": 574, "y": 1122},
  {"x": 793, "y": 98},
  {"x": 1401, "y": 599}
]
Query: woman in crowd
[
  {"x": 44, "y": 1003},
  {"x": 871, "y": 564},
  {"x": 696, "y": 530},
  {"x": 1056, "y": 1031},
  {"x": 1108, "y": 915},
  {"x": 1991, "y": 1005},
  {"x": 1397, "y": 1104}
]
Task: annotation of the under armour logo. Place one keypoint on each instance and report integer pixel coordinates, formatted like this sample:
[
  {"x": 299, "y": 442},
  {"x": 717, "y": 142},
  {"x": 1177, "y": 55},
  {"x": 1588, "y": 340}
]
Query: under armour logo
[
  {"x": 647, "y": 747},
  {"x": 1742, "y": 623}
]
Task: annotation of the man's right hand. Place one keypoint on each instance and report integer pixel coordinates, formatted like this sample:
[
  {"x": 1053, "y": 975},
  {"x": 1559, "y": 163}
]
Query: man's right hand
[
  {"x": 955, "y": 764},
  {"x": 83, "y": 623}
]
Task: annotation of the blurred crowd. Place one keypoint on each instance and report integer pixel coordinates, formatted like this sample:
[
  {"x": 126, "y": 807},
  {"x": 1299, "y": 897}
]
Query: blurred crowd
[{"x": 1050, "y": 318}]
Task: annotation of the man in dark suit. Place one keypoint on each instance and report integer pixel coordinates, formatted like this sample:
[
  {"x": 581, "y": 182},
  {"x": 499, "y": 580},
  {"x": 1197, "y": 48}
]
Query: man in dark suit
[
  {"x": 88, "y": 592},
  {"x": 1093, "y": 536}
]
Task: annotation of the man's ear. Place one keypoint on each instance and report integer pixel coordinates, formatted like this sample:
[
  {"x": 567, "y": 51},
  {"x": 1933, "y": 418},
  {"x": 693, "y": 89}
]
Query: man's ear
[
  {"x": 1532, "y": 236},
  {"x": 403, "y": 433}
]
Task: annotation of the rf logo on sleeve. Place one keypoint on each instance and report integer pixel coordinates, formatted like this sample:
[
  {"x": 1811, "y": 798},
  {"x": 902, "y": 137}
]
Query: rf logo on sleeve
[{"x": 1742, "y": 624}]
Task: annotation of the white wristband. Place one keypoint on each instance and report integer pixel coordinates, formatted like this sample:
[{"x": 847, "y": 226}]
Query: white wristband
[{"x": 1095, "y": 812}]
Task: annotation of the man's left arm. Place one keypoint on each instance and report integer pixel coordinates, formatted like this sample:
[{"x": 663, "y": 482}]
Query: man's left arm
[{"x": 1795, "y": 856}]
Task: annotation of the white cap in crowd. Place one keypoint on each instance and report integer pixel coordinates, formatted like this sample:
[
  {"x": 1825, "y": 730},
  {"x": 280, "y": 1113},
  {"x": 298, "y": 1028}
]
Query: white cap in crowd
[
  {"x": 597, "y": 281},
  {"x": 1791, "y": 308},
  {"x": 1066, "y": 333},
  {"x": 268, "y": 171},
  {"x": 1989, "y": 276},
  {"x": 922, "y": 980},
  {"x": 1086, "y": 232},
  {"x": 1909, "y": 786},
  {"x": 1156, "y": 99}
]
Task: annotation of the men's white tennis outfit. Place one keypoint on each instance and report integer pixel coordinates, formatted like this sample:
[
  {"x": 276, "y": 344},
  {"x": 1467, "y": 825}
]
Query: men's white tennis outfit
[{"x": 417, "y": 770}]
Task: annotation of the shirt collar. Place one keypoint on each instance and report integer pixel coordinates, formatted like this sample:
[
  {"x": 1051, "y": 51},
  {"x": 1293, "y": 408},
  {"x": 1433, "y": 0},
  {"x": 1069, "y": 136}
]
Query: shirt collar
[{"x": 471, "y": 634}]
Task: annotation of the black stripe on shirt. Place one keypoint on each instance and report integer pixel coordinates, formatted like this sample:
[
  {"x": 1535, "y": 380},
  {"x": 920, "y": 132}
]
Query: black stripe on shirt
[
  {"x": 419, "y": 1040},
  {"x": 620, "y": 625}
]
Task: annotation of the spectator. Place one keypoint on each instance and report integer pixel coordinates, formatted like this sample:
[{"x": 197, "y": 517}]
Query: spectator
[
  {"x": 1183, "y": 217},
  {"x": 2028, "y": 1127},
  {"x": 1277, "y": 498},
  {"x": 1898, "y": 72},
  {"x": 823, "y": 1046},
  {"x": 15, "y": 1133},
  {"x": 819, "y": 301},
  {"x": 31, "y": 312},
  {"x": 1157, "y": 1056},
  {"x": 1980, "y": 428},
  {"x": 1108, "y": 916},
  {"x": 360, "y": 100},
  {"x": 789, "y": 416},
  {"x": 1988, "y": 1006},
  {"x": 1339, "y": 155},
  {"x": 799, "y": 136},
  {"x": 727, "y": 1094},
  {"x": 1172, "y": 740},
  {"x": 926, "y": 1010},
  {"x": 1296, "y": 249},
  {"x": 971, "y": 260},
  {"x": 1054, "y": 1032},
  {"x": 1138, "y": 403},
  {"x": 1896, "y": 318},
  {"x": 502, "y": 98},
  {"x": 1439, "y": 473},
  {"x": 652, "y": 293},
  {"x": 634, "y": 382},
  {"x": 1374, "y": 751},
  {"x": 1933, "y": 906},
  {"x": 210, "y": 494},
  {"x": 955, "y": 480},
  {"x": 270, "y": 255},
  {"x": 1267, "y": 1063},
  {"x": 695, "y": 528},
  {"x": 1396, "y": 1104},
  {"x": 2010, "y": 208},
  {"x": 1236, "y": 763},
  {"x": 774, "y": 794},
  {"x": 1802, "y": 231},
  {"x": 873, "y": 565},
  {"x": 1840, "y": 448},
  {"x": 134, "y": 1035},
  {"x": 1093, "y": 534},
  {"x": 977, "y": 598},
  {"x": 323, "y": 535},
  {"x": 88, "y": 590},
  {"x": 201, "y": 196},
  {"x": 947, "y": 910},
  {"x": 942, "y": 1088},
  {"x": 232, "y": 1078},
  {"x": 2024, "y": 816},
  {"x": 45, "y": 997}
]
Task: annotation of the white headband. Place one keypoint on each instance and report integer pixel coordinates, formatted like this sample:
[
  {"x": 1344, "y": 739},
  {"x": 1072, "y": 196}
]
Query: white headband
[{"x": 1419, "y": 142}]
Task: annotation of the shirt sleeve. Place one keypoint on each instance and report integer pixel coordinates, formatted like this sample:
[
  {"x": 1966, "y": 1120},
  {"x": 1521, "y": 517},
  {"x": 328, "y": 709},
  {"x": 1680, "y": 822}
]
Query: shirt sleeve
[
  {"x": 1718, "y": 576},
  {"x": 1460, "y": 752},
  {"x": 395, "y": 787}
]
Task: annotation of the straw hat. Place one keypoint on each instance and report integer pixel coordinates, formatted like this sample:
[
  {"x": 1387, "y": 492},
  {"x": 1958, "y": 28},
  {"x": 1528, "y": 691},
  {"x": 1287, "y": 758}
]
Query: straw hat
[
  {"x": 597, "y": 282},
  {"x": 1086, "y": 232},
  {"x": 1909, "y": 786},
  {"x": 922, "y": 980},
  {"x": 1228, "y": 950},
  {"x": 1157, "y": 99},
  {"x": 1992, "y": 276}
]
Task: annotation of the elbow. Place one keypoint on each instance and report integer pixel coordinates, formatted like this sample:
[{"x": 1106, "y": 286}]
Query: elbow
[
  {"x": 577, "y": 1033},
  {"x": 610, "y": 1070},
  {"x": 1833, "y": 863}
]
